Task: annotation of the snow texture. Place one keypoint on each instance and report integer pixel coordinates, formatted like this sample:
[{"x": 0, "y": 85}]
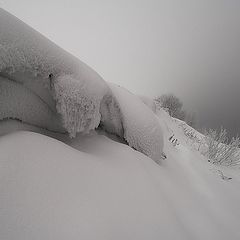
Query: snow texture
[
  {"x": 80, "y": 112},
  {"x": 51, "y": 73},
  {"x": 56, "y": 91},
  {"x": 103, "y": 190},
  {"x": 142, "y": 131}
]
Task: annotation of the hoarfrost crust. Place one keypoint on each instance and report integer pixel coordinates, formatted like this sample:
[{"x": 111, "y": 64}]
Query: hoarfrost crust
[{"x": 78, "y": 105}]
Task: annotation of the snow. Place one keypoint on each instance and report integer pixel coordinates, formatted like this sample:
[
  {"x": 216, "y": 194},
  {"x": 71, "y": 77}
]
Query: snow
[
  {"x": 94, "y": 186},
  {"x": 106, "y": 190},
  {"x": 35, "y": 111},
  {"x": 80, "y": 112},
  {"x": 61, "y": 193},
  {"x": 141, "y": 128},
  {"x": 41, "y": 67},
  {"x": 111, "y": 118},
  {"x": 56, "y": 91},
  {"x": 149, "y": 102}
]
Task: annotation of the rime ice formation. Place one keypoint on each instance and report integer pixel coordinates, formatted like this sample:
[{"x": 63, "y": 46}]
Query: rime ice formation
[
  {"x": 43, "y": 85},
  {"x": 78, "y": 104},
  {"x": 111, "y": 119},
  {"x": 36, "y": 63}
]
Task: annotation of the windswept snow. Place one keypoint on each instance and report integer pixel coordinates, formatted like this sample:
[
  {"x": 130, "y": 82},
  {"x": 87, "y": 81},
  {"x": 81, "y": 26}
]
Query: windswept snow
[
  {"x": 50, "y": 73},
  {"x": 91, "y": 187},
  {"x": 141, "y": 128},
  {"x": 105, "y": 190},
  {"x": 43, "y": 85}
]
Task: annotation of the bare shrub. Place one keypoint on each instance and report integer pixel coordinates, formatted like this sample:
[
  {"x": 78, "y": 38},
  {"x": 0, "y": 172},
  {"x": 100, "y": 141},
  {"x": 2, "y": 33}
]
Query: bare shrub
[
  {"x": 171, "y": 104},
  {"x": 220, "y": 149},
  {"x": 196, "y": 141}
]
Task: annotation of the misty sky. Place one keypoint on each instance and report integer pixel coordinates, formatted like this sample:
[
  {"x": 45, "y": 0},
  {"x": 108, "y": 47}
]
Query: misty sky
[{"x": 187, "y": 47}]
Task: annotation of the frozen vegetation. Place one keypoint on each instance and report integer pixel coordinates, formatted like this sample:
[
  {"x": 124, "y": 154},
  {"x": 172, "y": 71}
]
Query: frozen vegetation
[{"x": 69, "y": 168}]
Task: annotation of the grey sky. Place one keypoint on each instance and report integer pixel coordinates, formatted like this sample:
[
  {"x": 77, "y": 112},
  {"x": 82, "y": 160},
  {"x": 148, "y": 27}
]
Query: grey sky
[{"x": 190, "y": 48}]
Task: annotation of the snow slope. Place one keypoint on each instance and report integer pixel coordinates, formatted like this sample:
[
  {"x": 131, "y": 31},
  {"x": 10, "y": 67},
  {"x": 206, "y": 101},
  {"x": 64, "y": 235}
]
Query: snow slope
[
  {"x": 106, "y": 190},
  {"x": 50, "y": 73},
  {"x": 91, "y": 187}
]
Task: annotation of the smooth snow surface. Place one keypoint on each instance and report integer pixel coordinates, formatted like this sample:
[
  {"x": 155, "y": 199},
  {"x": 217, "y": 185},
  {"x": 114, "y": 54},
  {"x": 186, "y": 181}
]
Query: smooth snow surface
[
  {"x": 105, "y": 190},
  {"x": 26, "y": 106}
]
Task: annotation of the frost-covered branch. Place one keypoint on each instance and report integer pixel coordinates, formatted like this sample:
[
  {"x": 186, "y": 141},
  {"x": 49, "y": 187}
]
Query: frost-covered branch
[{"x": 221, "y": 150}]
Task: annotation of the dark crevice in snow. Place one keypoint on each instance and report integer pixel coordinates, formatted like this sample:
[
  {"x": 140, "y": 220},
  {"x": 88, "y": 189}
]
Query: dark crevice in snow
[{"x": 113, "y": 136}]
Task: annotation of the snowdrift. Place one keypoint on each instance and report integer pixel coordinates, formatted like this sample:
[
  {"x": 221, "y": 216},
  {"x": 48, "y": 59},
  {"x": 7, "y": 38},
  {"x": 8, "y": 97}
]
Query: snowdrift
[
  {"x": 104, "y": 190},
  {"x": 43, "y": 85},
  {"x": 141, "y": 128}
]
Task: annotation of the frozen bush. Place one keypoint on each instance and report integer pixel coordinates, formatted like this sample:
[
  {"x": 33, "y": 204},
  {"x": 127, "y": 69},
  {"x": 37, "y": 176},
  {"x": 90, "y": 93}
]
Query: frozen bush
[
  {"x": 171, "y": 104},
  {"x": 220, "y": 149}
]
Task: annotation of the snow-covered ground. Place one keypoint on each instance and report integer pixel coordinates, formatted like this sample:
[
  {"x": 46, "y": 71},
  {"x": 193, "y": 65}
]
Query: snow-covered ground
[
  {"x": 101, "y": 184},
  {"x": 96, "y": 188}
]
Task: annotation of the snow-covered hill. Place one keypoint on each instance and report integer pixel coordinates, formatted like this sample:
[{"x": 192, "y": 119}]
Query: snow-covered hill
[
  {"x": 96, "y": 188},
  {"x": 95, "y": 185}
]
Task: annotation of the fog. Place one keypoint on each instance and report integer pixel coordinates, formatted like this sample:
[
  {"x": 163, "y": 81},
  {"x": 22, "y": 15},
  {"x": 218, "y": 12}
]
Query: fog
[{"x": 189, "y": 48}]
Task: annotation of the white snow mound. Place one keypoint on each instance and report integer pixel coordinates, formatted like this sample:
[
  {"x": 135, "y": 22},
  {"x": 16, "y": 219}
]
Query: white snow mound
[
  {"x": 50, "y": 73},
  {"x": 105, "y": 190},
  {"x": 43, "y": 85},
  {"x": 142, "y": 130}
]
